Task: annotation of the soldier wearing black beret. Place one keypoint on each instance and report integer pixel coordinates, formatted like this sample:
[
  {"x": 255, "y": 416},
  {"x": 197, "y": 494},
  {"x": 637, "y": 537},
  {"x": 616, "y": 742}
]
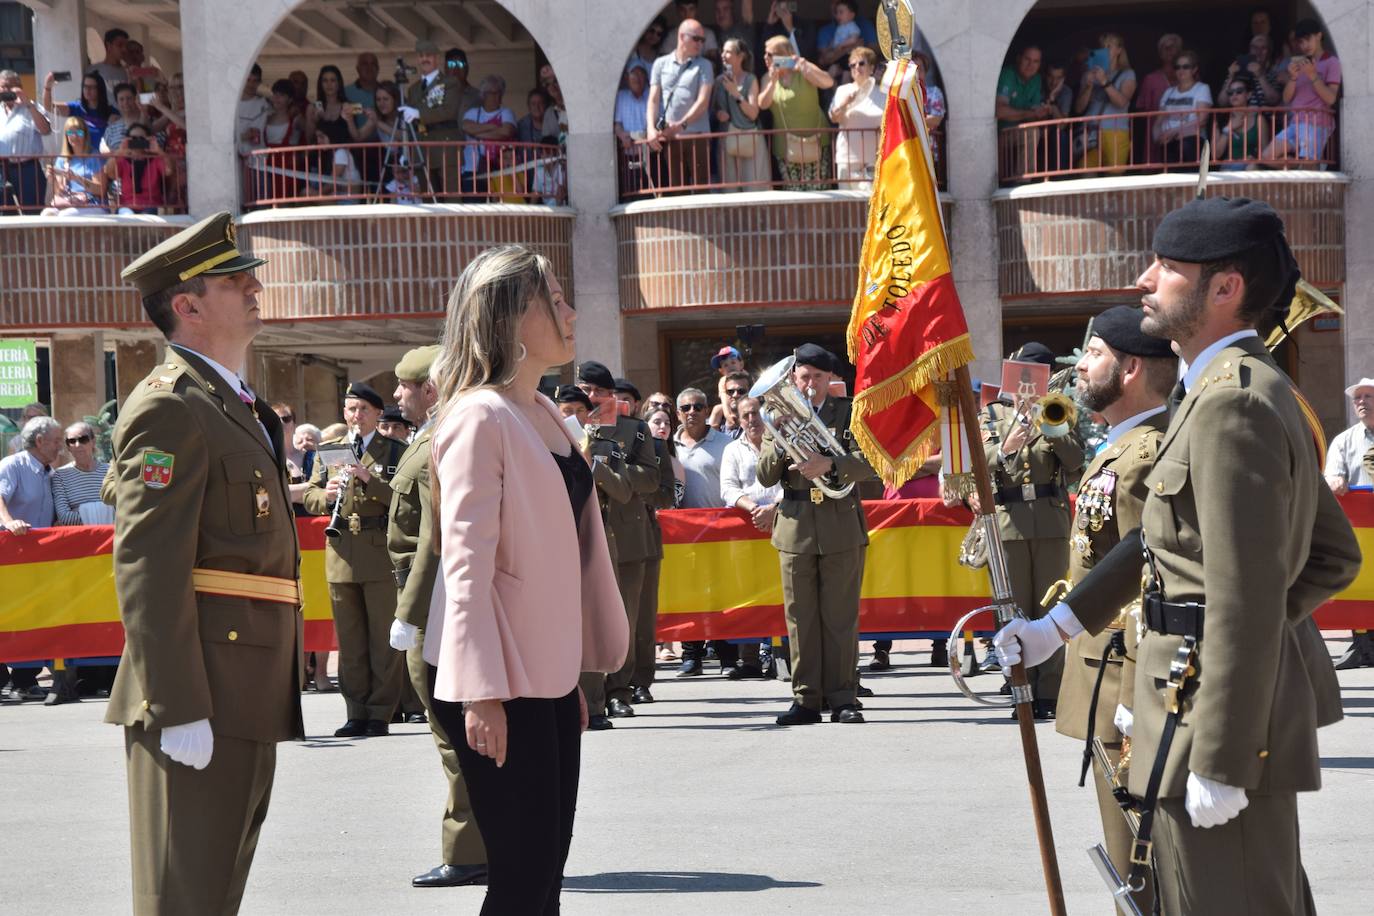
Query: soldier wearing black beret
[
  {"x": 362, "y": 589},
  {"x": 573, "y": 402}
]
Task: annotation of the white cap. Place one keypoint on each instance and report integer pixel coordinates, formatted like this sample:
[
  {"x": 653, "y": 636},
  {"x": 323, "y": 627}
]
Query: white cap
[{"x": 1362, "y": 383}]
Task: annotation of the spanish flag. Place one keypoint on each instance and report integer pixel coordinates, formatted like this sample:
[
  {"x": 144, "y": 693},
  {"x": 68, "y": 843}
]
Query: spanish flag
[{"x": 907, "y": 331}]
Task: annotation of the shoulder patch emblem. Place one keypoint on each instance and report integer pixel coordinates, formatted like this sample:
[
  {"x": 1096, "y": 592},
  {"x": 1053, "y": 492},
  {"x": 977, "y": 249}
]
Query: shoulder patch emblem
[{"x": 157, "y": 469}]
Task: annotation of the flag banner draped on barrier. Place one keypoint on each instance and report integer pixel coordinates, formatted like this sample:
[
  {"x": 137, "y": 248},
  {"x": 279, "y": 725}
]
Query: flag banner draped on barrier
[
  {"x": 720, "y": 580},
  {"x": 907, "y": 330}
]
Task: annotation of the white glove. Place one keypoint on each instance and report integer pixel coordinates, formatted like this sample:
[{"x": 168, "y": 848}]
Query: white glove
[
  {"x": 1124, "y": 720},
  {"x": 1036, "y": 640},
  {"x": 404, "y": 635},
  {"x": 1210, "y": 803},
  {"x": 410, "y": 114},
  {"x": 191, "y": 744}
]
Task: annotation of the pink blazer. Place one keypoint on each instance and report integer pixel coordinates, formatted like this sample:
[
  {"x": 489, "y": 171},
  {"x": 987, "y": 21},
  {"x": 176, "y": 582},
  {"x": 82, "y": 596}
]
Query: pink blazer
[{"x": 527, "y": 598}]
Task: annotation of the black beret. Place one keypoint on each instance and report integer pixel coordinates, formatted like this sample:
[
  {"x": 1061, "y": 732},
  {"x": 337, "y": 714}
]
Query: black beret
[
  {"x": 816, "y": 356},
  {"x": 627, "y": 386},
  {"x": 571, "y": 394},
  {"x": 1119, "y": 328},
  {"x": 392, "y": 414},
  {"x": 1034, "y": 352},
  {"x": 594, "y": 373},
  {"x": 364, "y": 392},
  {"x": 1215, "y": 228}
]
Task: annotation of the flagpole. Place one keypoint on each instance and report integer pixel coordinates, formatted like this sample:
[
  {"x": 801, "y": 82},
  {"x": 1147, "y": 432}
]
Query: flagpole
[{"x": 1020, "y": 686}]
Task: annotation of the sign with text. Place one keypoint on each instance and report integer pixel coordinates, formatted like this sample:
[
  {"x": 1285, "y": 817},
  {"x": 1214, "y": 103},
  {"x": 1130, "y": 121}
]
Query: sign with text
[{"x": 18, "y": 373}]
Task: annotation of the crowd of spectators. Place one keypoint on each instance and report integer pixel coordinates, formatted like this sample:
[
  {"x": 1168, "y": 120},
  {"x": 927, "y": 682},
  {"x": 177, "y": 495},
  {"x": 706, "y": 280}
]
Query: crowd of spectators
[{"x": 1092, "y": 113}]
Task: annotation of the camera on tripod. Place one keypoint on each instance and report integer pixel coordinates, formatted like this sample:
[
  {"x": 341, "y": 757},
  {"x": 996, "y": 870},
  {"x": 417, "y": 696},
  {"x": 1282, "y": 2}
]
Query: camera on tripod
[{"x": 404, "y": 72}]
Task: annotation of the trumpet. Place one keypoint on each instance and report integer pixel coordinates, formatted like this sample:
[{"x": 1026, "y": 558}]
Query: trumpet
[{"x": 1055, "y": 415}]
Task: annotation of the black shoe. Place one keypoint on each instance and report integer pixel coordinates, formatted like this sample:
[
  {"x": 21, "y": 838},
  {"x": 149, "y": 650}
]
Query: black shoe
[
  {"x": 1044, "y": 709},
  {"x": 1360, "y": 653},
  {"x": 745, "y": 673},
  {"x": 690, "y": 668},
  {"x": 939, "y": 654},
  {"x": 29, "y": 694},
  {"x": 376, "y": 728},
  {"x": 770, "y": 670},
  {"x": 599, "y": 723},
  {"x": 881, "y": 661},
  {"x": 799, "y": 715},
  {"x": 416, "y": 718},
  {"x": 353, "y": 728},
  {"x": 398, "y": 717},
  {"x": 863, "y": 691},
  {"x": 847, "y": 715},
  {"x": 619, "y": 709},
  {"x": 1005, "y": 689},
  {"x": 451, "y": 876},
  {"x": 642, "y": 695}
]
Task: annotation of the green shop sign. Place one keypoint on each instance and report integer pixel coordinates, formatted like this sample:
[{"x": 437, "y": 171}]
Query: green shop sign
[{"x": 18, "y": 373}]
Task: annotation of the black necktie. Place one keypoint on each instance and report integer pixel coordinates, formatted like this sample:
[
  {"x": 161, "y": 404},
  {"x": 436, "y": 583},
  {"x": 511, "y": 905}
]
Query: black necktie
[
  {"x": 358, "y": 449},
  {"x": 1177, "y": 395}
]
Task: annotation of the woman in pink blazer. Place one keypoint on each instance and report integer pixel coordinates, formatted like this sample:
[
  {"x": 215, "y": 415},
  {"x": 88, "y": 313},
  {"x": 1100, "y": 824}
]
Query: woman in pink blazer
[{"x": 527, "y": 598}]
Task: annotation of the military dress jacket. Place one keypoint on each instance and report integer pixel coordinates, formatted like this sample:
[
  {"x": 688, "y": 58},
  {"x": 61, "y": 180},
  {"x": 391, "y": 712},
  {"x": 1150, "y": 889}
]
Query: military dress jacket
[
  {"x": 831, "y": 525},
  {"x": 1110, "y": 500},
  {"x": 1042, "y": 461},
  {"x": 410, "y": 532},
  {"x": 361, "y": 556},
  {"x": 441, "y": 106},
  {"x": 626, "y": 470},
  {"x": 1240, "y": 518},
  {"x": 197, "y": 486},
  {"x": 663, "y": 497}
]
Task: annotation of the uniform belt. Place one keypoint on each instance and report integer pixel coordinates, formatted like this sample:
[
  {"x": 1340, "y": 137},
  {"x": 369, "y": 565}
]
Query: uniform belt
[
  {"x": 246, "y": 585},
  {"x": 1172, "y": 618},
  {"x": 1026, "y": 493},
  {"x": 371, "y": 521},
  {"x": 811, "y": 495}
]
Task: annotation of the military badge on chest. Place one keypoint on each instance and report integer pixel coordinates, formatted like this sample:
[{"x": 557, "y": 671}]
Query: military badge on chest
[{"x": 1096, "y": 501}]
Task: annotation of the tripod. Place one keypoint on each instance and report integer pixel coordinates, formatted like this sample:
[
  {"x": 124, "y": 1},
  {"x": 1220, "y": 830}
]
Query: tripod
[{"x": 402, "y": 136}]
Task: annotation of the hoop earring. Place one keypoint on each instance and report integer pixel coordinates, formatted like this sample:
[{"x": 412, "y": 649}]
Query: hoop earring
[{"x": 523, "y": 353}]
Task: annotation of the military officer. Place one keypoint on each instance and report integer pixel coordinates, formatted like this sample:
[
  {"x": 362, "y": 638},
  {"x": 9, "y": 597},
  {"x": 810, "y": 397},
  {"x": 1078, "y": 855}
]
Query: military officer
[
  {"x": 642, "y": 650},
  {"x": 206, "y": 569},
  {"x": 1125, "y": 376},
  {"x": 411, "y": 546},
  {"x": 441, "y": 103},
  {"x": 626, "y": 471},
  {"x": 362, "y": 589},
  {"x": 1031, "y": 475},
  {"x": 821, "y": 543},
  {"x": 1243, "y": 541}
]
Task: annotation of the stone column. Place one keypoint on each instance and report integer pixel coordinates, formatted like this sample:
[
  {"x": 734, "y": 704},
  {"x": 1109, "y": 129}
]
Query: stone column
[
  {"x": 59, "y": 43},
  {"x": 214, "y": 35},
  {"x": 77, "y": 369},
  {"x": 1356, "y": 113}
]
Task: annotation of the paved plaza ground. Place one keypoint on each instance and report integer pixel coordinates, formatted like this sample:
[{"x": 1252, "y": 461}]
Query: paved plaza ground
[{"x": 697, "y": 805}]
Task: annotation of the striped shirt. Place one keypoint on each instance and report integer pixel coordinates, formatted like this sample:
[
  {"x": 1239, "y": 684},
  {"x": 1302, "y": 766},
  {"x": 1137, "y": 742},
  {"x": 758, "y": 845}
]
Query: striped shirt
[{"x": 72, "y": 486}]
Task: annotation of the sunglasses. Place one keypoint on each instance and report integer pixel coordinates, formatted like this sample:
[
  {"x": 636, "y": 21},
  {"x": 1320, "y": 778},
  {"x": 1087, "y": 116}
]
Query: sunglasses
[
  {"x": 76, "y": 133},
  {"x": 858, "y": 63},
  {"x": 695, "y": 37},
  {"x": 736, "y": 392},
  {"x": 691, "y": 408},
  {"x": 79, "y": 440},
  {"x": 659, "y": 405}
]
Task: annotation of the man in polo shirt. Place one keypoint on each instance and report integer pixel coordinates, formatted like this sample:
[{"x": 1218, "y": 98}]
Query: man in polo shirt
[
  {"x": 25, "y": 490},
  {"x": 701, "y": 450},
  {"x": 1019, "y": 99},
  {"x": 1345, "y": 469},
  {"x": 679, "y": 107}
]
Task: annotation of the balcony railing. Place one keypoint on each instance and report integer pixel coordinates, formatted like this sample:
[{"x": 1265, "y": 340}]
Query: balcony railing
[
  {"x": 478, "y": 171},
  {"x": 99, "y": 183},
  {"x": 756, "y": 160},
  {"x": 1156, "y": 141}
]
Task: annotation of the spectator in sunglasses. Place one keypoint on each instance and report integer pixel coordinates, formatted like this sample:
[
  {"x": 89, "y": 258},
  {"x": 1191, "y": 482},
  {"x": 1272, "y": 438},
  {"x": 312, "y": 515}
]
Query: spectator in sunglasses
[
  {"x": 1243, "y": 133},
  {"x": 700, "y": 448},
  {"x": 76, "y": 486}
]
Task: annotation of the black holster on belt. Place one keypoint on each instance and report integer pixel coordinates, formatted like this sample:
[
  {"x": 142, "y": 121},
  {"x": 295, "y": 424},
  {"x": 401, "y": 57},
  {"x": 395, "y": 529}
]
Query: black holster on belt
[{"x": 401, "y": 575}]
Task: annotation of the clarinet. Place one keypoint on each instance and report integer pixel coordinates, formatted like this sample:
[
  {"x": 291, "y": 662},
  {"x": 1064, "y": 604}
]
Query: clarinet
[{"x": 332, "y": 532}]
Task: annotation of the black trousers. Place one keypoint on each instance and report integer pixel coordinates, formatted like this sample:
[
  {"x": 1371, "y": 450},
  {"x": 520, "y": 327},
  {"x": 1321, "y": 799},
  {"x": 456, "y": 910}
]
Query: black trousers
[{"x": 524, "y": 809}]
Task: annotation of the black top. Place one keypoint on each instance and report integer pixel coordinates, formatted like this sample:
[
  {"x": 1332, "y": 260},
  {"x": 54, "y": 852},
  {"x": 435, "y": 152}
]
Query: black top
[{"x": 578, "y": 478}]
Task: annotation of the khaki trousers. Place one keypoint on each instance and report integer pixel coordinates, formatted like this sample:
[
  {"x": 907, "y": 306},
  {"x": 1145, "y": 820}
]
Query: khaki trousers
[
  {"x": 646, "y": 631},
  {"x": 460, "y": 841},
  {"x": 370, "y": 671},
  {"x": 1250, "y": 864},
  {"x": 193, "y": 832},
  {"x": 1034, "y": 566},
  {"x": 620, "y": 684},
  {"x": 1116, "y": 831},
  {"x": 821, "y": 602}
]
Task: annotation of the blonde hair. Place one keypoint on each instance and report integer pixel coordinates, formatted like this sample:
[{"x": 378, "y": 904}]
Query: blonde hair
[
  {"x": 479, "y": 345},
  {"x": 70, "y": 123},
  {"x": 778, "y": 45},
  {"x": 1112, "y": 38}
]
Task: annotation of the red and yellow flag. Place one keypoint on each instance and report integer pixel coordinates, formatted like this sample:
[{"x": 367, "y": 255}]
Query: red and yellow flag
[{"x": 907, "y": 330}]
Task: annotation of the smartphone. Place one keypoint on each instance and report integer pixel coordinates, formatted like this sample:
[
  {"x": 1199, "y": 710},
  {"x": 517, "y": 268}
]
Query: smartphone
[
  {"x": 1101, "y": 59},
  {"x": 62, "y": 76},
  {"x": 146, "y": 98},
  {"x": 785, "y": 63}
]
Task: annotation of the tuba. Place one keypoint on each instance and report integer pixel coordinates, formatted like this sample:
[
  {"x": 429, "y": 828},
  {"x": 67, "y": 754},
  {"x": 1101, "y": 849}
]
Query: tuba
[{"x": 789, "y": 416}]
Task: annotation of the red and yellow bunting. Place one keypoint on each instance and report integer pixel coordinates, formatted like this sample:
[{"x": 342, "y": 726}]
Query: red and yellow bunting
[{"x": 720, "y": 580}]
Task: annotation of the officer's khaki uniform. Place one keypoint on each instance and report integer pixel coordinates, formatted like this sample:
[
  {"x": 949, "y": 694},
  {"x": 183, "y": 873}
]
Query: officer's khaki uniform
[
  {"x": 646, "y": 630},
  {"x": 1238, "y": 517},
  {"x": 441, "y": 106},
  {"x": 1109, "y": 502},
  {"x": 821, "y": 546},
  {"x": 631, "y": 521},
  {"x": 1034, "y": 528},
  {"x": 198, "y": 487},
  {"x": 362, "y": 587},
  {"x": 410, "y": 543},
  {"x": 624, "y": 470}
]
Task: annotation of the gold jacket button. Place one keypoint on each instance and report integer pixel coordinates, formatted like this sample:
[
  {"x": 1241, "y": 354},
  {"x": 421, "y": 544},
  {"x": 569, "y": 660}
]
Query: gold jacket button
[
  {"x": 233, "y": 635},
  {"x": 257, "y": 473},
  {"x": 145, "y": 704},
  {"x": 1159, "y": 487},
  {"x": 1263, "y": 754}
]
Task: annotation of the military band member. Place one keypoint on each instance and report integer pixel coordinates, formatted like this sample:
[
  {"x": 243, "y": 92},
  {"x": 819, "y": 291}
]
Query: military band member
[
  {"x": 821, "y": 543},
  {"x": 1243, "y": 542},
  {"x": 1031, "y": 475},
  {"x": 1125, "y": 376},
  {"x": 626, "y": 471},
  {"x": 362, "y": 588},
  {"x": 410, "y": 543},
  {"x": 206, "y": 569}
]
